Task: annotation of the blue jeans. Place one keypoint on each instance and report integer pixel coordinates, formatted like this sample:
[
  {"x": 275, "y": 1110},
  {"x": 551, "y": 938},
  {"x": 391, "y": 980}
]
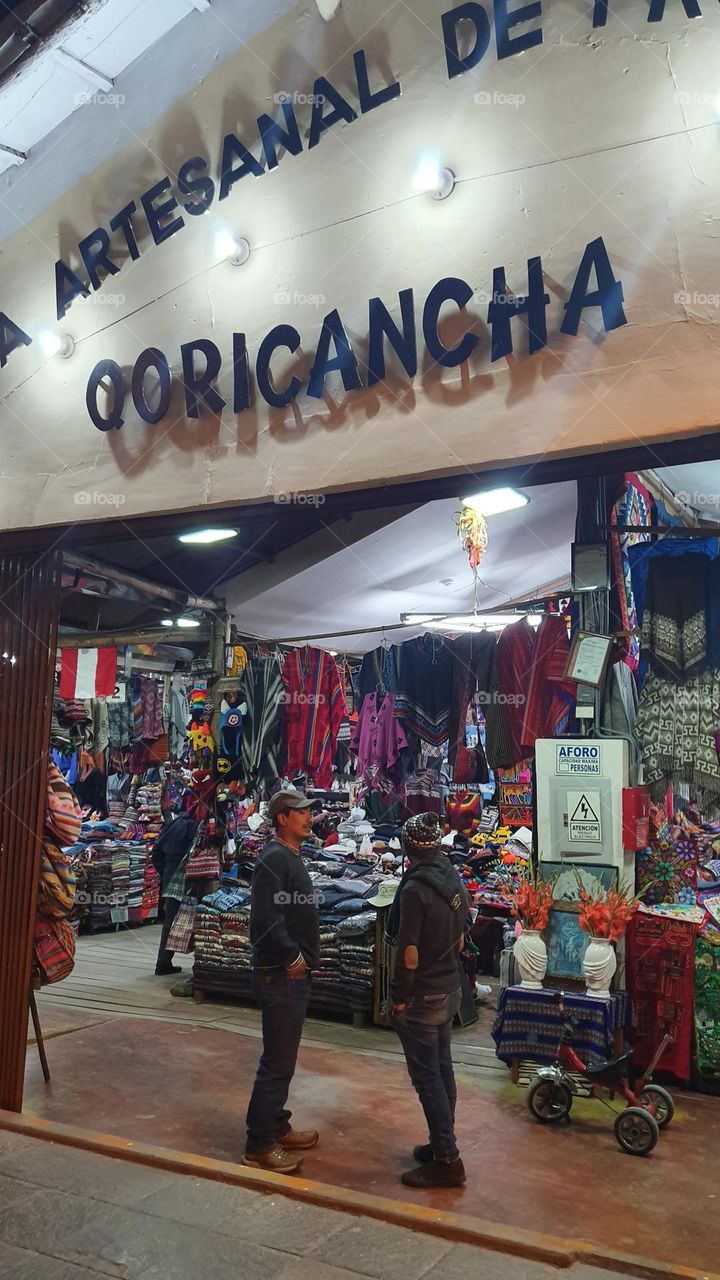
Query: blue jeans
[
  {"x": 284, "y": 1003},
  {"x": 424, "y": 1027}
]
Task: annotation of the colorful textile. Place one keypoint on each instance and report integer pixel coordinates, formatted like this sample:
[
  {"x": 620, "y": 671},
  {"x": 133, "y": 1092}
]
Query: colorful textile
[
  {"x": 530, "y": 700},
  {"x": 151, "y": 693},
  {"x": 673, "y": 632},
  {"x": 667, "y": 870},
  {"x": 528, "y": 1024},
  {"x": 62, "y": 814},
  {"x": 264, "y": 694},
  {"x": 378, "y": 738},
  {"x": 660, "y": 956},
  {"x": 314, "y": 711},
  {"x": 707, "y": 1004},
  {"x": 378, "y": 673},
  {"x": 633, "y": 508},
  {"x": 425, "y": 678},
  {"x": 88, "y": 673},
  {"x": 676, "y": 731},
  {"x": 463, "y": 812}
]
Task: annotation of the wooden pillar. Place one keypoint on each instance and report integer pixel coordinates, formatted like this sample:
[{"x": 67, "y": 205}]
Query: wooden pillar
[{"x": 29, "y": 605}]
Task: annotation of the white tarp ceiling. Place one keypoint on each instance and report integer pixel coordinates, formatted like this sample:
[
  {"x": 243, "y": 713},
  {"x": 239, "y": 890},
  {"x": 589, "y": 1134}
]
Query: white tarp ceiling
[{"x": 415, "y": 564}]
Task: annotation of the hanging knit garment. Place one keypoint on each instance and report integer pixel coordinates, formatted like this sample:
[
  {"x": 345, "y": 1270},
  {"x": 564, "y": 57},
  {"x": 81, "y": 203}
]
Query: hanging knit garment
[
  {"x": 673, "y": 634},
  {"x": 473, "y": 670},
  {"x": 314, "y": 711},
  {"x": 676, "y": 731},
  {"x": 425, "y": 676},
  {"x": 262, "y": 730},
  {"x": 529, "y": 699}
]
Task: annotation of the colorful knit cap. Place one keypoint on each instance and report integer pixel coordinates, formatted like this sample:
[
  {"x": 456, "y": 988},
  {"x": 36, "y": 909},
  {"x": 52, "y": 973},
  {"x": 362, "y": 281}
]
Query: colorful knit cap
[{"x": 422, "y": 831}]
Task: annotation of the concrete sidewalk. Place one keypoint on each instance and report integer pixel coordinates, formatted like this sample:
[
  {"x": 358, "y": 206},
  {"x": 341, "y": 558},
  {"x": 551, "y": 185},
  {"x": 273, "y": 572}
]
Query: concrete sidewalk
[{"x": 67, "y": 1214}]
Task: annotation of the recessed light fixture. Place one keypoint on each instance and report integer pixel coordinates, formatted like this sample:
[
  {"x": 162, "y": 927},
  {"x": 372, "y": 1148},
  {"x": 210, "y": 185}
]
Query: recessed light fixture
[
  {"x": 207, "y": 536},
  {"x": 493, "y": 502},
  {"x": 234, "y": 249},
  {"x": 436, "y": 179},
  {"x": 56, "y": 344}
]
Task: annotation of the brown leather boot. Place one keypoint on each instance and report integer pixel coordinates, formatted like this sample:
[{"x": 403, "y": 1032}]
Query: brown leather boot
[
  {"x": 273, "y": 1159},
  {"x": 299, "y": 1139}
]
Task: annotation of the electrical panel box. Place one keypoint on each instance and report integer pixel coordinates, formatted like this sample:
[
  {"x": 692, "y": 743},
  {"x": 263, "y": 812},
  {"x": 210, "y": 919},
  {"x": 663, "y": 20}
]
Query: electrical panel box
[{"x": 580, "y": 785}]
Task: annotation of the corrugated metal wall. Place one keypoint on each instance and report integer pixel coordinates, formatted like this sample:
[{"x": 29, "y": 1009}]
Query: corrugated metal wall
[{"x": 29, "y": 605}]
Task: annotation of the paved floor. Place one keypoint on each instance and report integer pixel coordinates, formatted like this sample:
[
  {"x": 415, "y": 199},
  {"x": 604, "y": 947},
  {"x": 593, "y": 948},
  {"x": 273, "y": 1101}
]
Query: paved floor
[
  {"x": 113, "y": 977},
  {"x": 186, "y": 1088},
  {"x": 71, "y": 1215}
]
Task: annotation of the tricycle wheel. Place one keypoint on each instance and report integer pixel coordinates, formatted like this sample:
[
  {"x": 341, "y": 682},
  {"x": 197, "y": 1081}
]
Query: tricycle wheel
[
  {"x": 636, "y": 1131},
  {"x": 548, "y": 1101},
  {"x": 662, "y": 1101}
]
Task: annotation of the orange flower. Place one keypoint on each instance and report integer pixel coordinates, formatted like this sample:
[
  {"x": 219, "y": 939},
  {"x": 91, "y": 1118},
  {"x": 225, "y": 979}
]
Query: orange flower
[
  {"x": 607, "y": 915},
  {"x": 531, "y": 901}
]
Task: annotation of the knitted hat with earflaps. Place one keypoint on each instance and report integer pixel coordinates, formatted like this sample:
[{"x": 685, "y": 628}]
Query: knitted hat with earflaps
[{"x": 422, "y": 833}]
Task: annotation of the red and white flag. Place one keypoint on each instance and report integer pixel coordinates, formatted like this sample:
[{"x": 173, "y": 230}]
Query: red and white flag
[{"x": 87, "y": 673}]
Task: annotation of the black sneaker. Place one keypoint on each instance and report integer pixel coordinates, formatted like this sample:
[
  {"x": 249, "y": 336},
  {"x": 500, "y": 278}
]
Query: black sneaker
[
  {"x": 164, "y": 971},
  {"x": 436, "y": 1174},
  {"x": 423, "y": 1154}
]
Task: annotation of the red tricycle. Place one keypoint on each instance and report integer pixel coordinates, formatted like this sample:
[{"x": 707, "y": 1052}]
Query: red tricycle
[{"x": 649, "y": 1109}]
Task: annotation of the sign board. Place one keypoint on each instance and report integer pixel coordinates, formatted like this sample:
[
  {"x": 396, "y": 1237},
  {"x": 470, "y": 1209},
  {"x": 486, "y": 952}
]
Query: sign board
[
  {"x": 584, "y": 817},
  {"x": 578, "y": 758},
  {"x": 119, "y": 694}
]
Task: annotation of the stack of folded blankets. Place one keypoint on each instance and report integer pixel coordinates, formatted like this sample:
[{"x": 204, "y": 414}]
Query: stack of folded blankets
[
  {"x": 147, "y": 803},
  {"x": 222, "y": 932}
]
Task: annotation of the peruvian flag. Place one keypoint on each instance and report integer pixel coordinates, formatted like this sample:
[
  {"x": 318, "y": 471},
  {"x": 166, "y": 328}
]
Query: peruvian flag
[{"x": 87, "y": 673}]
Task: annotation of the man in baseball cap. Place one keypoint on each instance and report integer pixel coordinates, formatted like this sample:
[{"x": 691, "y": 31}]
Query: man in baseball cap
[{"x": 285, "y": 937}]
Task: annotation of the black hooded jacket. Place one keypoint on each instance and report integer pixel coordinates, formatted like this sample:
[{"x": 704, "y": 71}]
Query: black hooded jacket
[{"x": 429, "y": 912}]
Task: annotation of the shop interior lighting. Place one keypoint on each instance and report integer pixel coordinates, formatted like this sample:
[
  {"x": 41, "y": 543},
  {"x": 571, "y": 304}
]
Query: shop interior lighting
[
  {"x": 180, "y": 622},
  {"x": 467, "y": 621},
  {"x": 205, "y": 537},
  {"x": 434, "y": 178},
  {"x": 493, "y": 502},
  {"x": 56, "y": 344},
  {"x": 235, "y": 250}
]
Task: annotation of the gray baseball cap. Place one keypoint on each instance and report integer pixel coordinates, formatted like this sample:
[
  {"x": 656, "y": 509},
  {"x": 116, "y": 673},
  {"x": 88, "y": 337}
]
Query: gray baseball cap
[{"x": 288, "y": 800}]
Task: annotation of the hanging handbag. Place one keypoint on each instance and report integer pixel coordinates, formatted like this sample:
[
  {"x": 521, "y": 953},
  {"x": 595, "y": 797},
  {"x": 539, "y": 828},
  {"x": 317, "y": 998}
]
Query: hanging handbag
[
  {"x": 53, "y": 950},
  {"x": 182, "y": 930}
]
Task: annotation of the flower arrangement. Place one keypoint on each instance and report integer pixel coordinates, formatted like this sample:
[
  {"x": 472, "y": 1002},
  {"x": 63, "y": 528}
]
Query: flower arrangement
[
  {"x": 531, "y": 900},
  {"x": 605, "y": 915}
]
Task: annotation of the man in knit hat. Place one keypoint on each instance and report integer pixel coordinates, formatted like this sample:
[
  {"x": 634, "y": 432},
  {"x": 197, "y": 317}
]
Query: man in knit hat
[{"x": 428, "y": 920}]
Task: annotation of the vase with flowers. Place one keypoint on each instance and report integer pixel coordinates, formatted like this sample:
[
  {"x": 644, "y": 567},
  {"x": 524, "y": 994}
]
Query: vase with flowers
[
  {"x": 604, "y": 916},
  {"x": 531, "y": 901}
]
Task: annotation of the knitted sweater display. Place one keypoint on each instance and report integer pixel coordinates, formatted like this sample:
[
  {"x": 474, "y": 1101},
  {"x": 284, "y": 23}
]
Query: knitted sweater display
[{"x": 314, "y": 710}]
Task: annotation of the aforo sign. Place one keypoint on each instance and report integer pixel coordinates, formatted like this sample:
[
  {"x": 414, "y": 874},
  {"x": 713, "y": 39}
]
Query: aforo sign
[{"x": 160, "y": 212}]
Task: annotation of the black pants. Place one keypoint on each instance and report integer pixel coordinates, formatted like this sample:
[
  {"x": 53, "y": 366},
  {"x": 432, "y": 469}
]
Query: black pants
[
  {"x": 284, "y": 1003},
  {"x": 424, "y": 1028},
  {"x": 170, "y": 910}
]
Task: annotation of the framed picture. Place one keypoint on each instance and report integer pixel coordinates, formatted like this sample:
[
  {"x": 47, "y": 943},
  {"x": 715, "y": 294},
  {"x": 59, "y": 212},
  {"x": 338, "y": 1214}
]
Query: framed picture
[
  {"x": 566, "y": 945},
  {"x": 565, "y": 886},
  {"x": 590, "y": 566},
  {"x": 588, "y": 659}
]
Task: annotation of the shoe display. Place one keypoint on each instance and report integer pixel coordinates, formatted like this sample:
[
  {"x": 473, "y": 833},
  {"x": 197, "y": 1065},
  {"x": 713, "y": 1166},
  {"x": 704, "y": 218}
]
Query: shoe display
[
  {"x": 274, "y": 1159},
  {"x": 423, "y": 1154},
  {"x": 436, "y": 1174},
  {"x": 299, "y": 1139}
]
